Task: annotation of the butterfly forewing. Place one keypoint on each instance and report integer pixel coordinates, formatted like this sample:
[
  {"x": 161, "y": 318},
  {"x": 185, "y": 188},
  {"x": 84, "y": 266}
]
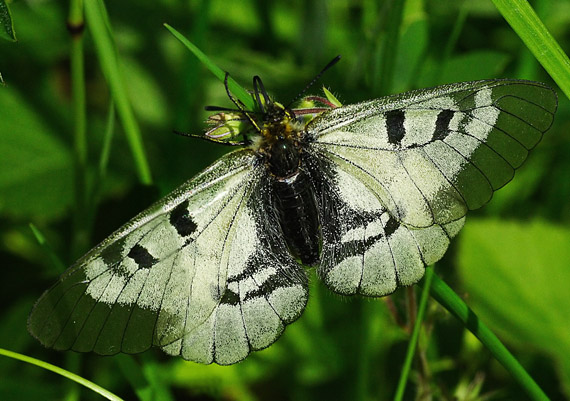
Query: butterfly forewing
[{"x": 432, "y": 155}]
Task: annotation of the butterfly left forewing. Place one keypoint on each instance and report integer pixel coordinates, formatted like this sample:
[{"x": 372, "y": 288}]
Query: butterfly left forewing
[
  {"x": 119, "y": 296},
  {"x": 431, "y": 155}
]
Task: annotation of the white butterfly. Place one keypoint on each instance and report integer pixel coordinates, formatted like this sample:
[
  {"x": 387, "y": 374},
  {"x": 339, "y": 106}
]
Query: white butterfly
[{"x": 368, "y": 193}]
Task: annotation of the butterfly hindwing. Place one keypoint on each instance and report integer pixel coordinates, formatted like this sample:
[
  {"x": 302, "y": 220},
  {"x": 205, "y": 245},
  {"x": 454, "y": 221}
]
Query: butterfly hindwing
[
  {"x": 365, "y": 249},
  {"x": 179, "y": 276},
  {"x": 431, "y": 155},
  {"x": 265, "y": 291}
]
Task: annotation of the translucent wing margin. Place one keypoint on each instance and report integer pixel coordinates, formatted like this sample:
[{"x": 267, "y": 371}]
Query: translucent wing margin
[
  {"x": 180, "y": 276},
  {"x": 432, "y": 155}
]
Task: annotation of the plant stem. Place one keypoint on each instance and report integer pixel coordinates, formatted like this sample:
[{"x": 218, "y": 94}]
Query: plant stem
[
  {"x": 62, "y": 372},
  {"x": 414, "y": 338},
  {"x": 454, "y": 304}
]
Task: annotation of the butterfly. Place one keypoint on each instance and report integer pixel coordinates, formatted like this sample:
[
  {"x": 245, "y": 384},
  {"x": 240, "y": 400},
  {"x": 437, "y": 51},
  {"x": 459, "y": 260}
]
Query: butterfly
[{"x": 368, "y": 194}]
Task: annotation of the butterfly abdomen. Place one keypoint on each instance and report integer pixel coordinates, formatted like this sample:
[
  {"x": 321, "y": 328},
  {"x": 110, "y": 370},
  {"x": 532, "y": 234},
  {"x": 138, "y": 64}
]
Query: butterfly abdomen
[{"x": 294, "y": 202}]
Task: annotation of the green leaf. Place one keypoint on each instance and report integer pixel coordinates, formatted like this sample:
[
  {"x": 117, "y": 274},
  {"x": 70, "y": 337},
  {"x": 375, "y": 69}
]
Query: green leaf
[
  {"x": 35, "y": 167},
  {"x": 331, "y": 98},
  {"x": 6, "y": 24},
  {"x": 517, "y": 275}
]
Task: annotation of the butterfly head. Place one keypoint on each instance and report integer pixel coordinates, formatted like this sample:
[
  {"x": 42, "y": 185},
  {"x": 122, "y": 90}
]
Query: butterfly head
[{"x": 270, "y": 122}]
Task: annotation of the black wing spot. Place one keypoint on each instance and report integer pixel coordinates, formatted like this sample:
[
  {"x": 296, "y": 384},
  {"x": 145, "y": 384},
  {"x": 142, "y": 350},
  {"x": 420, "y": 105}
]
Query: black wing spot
[
  {"x": 142, "y": 257},
  {"x": 442, "y": 124},
  {"x": 395, "y": 126},
  {"x": 182, "y": 221},
  {"x": 230, "y": 298},
  {"x": 391, "y": 226},
  {"x": 113, "y": 253}
]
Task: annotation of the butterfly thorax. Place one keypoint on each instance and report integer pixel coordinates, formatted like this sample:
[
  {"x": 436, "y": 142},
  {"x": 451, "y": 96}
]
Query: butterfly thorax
[
  {"x": 283, "y": 159},
  {"x": 280, "y": 141},
  {"x": 293, "y": 195}
]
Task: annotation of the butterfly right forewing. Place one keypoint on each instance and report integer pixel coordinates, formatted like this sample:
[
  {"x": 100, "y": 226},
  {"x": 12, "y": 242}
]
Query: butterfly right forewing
[{"x": 433, "y": 154}]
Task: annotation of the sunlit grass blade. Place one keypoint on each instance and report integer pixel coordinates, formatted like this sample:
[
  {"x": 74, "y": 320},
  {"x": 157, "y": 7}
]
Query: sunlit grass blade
[
  {"x": 97, "y": 22},
  {"x": 62, "y": 372},
  {"x": 454, "y": 304},
  {"x": 524, "y": 21},
  {"x": 234, "y": 87}
]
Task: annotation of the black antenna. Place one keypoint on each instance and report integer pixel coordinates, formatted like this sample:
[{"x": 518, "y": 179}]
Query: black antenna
[
  {"x": 239, "y": 104},
  {"x": 220, "y": 108},
  {"x": 315, "y": 79},
  {"x": 257, "y": 89},
  {"x": 235, "y": 101}
]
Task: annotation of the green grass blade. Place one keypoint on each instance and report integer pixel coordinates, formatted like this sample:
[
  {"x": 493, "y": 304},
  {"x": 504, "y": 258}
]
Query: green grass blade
[
  {"x": 106, "y": 148},
  {"x": 95, "y": 194},
  {"x": 426, "y": 283},
  {"x": 234, "y": 87},
  {"x": 524, "y": 21},
  {"x": 6, "y": 23},
  {"x": 97, "y": 21},
  {"x": 62, "y": 372},
  {"x": 454, "y": 304},
  {"x": 55, "y": 261},
  {"x": 78, "y": 93}
]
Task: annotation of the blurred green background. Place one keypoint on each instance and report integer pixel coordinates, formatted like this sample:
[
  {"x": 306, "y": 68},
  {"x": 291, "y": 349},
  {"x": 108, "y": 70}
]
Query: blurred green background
[{"x": 511, "y": 263}]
